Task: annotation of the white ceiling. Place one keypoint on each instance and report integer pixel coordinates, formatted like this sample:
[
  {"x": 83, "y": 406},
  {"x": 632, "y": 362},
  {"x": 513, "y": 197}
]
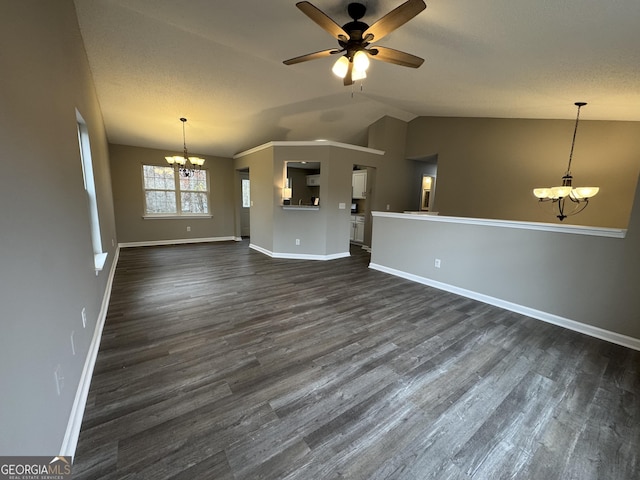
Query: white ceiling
[{"x": 219, "y": 64}]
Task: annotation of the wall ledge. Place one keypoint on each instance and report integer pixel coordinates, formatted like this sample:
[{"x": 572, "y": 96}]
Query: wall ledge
[
  {"x": 607, "y": 335},
  {"x": 311, "y": 208},
  {"x": 545, "y": 227},
  {"x": 298, "y": 256},
  {"x": 309, "y": 143}
]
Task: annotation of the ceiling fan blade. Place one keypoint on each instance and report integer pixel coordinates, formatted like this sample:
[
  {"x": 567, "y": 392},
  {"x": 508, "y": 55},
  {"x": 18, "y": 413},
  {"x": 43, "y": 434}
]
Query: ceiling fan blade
[
  {"x": 396, "y": 57},
  {"x": 311, "y": 56},
  {"x": 348, "y": 78},
  {"x": 318, "y": 16},
  {"x": 395, "y": 18}
]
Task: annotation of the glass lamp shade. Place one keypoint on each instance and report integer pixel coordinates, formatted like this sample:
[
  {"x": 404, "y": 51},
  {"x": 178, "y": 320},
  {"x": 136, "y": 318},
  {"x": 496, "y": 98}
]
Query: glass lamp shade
[
  {"x": 542, "y": 192},
  {"x": 580, "y": 193},
  {"x": 341, "y": 67},
  {"x": 358, "y": 75},
  {"x": 560, "y": 192},
  {"x": 287, "y": 193},
  {"x": 176, "y": 159},
  {"x": 197, "y": 161},
  {"x": 360, "y": 61}
]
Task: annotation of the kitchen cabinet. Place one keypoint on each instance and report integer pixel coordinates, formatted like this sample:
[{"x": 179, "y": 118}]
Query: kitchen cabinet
[
  {"x": 313, "y": 180},
  {"x": 357, "y": 228},
  {"x": 359, "y": 184}
]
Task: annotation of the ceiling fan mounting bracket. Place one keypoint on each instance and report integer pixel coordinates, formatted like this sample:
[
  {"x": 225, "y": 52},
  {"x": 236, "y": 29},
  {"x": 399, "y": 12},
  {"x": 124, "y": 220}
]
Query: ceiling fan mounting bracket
[{"x": 356, "y": 10}]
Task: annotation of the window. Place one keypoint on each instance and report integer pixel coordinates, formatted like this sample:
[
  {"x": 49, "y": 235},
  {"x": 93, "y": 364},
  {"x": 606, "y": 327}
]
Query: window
[
  {"x": 90, "y": 188},
  {"x": 246, "y": 193},
  {"x": 167, "y": 193}
]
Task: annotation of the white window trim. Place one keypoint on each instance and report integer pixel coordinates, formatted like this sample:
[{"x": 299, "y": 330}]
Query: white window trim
[
  {"x": 99, "y": 259},
  {"x": 86, "y": 160},
  {"x": 162, "y": 216},
  {"x": 177, "y": 190}
]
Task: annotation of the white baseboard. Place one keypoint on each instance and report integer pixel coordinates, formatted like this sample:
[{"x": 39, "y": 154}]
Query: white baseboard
[
  {"x": 264, "y": 251},
  {"x": 299, "y": 256},
  {"x": 613, "y": 337},
  {"x": 178, "y": 241},
  {"x": 70, "y": 441}
]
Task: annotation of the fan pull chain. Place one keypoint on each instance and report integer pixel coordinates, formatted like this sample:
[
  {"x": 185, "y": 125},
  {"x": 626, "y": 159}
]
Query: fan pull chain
[{"x": 352, "y": 88}]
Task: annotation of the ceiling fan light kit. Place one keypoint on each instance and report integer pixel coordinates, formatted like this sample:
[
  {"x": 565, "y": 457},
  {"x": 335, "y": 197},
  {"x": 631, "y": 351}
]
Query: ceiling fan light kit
[
  {"x": 340, "y": 68},
  {"x": 577, "y": 196},
  {"x": 355, "y": 37}
]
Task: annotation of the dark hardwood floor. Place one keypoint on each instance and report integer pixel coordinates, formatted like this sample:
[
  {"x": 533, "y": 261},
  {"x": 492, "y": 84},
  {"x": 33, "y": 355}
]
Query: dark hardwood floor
[{"x": 218, "y": 362}]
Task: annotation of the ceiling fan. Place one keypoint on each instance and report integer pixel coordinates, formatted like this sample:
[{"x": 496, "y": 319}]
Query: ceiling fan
[{"x": 355, "y": 38}]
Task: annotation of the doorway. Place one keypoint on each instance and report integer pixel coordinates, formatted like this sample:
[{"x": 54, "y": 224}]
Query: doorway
[
  {"x": 423, "y": 188},
  {"x": 428, "y": 187},
  {"x": 363, "y": 179},
  {"x": 245, "y": 204}
]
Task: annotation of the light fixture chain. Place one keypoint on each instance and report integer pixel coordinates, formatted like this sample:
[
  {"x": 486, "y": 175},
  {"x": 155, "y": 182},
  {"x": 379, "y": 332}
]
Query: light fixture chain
[
  {"x": 184, "y": 138},
  {"x": 573, "y": 141}
]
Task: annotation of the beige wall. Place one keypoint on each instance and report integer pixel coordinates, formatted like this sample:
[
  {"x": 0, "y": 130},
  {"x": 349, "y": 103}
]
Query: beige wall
[
  {"x": 263, "y": 189},
  {"x": 327, "y": 231},
  {"x": 46, "y": 256},
  {"x": 322, "y": 233},
  {"x": 488, "y": 167},
  {"x": 126, "y": 171},
  {"x": 394, "y": 173},
  {"x": 588, "y": 279}
]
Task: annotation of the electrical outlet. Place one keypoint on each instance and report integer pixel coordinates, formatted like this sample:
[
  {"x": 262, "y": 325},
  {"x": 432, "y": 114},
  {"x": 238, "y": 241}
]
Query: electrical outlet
[
  {"x": 84, "y": 317},
  {"x": 188, "y": 229},
  {"x": 388, "y": 207},
  {"x": 342, "y": 206},
  {"x": 437, "y": 263},
  {"x": 57, "y": 374},
  {"x": 297, "y": 241}
]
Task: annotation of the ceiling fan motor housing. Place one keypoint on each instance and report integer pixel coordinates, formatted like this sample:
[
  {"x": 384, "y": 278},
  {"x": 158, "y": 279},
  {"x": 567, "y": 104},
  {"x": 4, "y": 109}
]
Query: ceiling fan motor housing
[{"x": 355, "y": 28}]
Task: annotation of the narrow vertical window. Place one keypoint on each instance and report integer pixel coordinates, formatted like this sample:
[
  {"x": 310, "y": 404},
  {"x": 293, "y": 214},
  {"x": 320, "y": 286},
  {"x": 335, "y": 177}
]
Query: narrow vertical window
[
  {"x": 90, "y": 189},
  {"x": 246, "y": 193}
]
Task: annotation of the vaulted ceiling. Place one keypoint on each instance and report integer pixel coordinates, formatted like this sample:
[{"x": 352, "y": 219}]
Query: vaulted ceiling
[{"x": 219, "y": 64}]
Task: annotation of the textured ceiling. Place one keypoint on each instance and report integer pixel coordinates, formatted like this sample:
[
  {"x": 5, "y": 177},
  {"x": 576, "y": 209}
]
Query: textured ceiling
[{"x": 219, "y": 63}]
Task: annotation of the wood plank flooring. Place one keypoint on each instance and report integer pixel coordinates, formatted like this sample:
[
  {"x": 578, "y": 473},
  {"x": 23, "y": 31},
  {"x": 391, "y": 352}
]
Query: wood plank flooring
[{"x": 218, "y": 362}]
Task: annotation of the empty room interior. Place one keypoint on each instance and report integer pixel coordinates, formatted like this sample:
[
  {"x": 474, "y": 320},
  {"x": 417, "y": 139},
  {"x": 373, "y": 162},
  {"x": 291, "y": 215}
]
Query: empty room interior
[{"x": 258, "y": 244}]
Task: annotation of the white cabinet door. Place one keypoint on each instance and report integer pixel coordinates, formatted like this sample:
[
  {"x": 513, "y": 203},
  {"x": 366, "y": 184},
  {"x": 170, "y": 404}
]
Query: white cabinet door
[
  {"x": 358, "y": 235},
  {"x": 359, "y": 184},
  {"x": 357, "y": 229}
]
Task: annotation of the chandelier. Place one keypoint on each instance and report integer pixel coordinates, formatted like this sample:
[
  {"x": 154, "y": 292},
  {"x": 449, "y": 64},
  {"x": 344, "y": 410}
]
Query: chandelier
[
  {"x": 577, "y": 197},
  {"x": 180, "y": 161}
]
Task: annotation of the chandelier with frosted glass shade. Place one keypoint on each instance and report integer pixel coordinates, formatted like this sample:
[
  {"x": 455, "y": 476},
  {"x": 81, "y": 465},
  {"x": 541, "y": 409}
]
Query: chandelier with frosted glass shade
[
  {"x": 566, "y": 199},
  {"x": 180, "y": 161}
]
